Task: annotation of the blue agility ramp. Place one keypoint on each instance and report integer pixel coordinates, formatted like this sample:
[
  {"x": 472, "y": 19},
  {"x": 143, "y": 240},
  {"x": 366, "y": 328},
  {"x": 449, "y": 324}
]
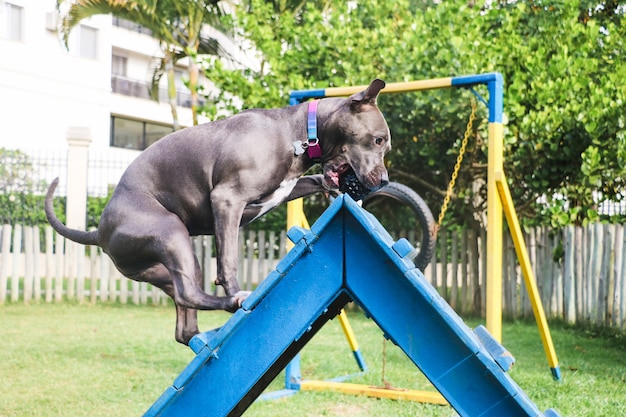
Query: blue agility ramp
[{"x": 347, "y": 255}]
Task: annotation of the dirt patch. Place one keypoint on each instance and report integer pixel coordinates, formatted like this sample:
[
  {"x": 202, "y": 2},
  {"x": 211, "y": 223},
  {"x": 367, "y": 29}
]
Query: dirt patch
[{"x": 342, "y": 410}]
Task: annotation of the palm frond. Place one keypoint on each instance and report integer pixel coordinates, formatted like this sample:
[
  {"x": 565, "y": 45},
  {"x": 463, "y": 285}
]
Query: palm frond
[{"x": 140, "y": 12}]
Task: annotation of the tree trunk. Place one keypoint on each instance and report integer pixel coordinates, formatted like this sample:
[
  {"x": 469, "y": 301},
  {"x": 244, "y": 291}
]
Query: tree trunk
[
  {"x": 171, "y": 90},
  {"x": 194, "y": 75}
]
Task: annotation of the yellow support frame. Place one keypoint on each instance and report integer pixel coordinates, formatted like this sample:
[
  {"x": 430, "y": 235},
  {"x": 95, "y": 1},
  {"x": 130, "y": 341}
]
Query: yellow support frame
[
  {"x": 527, "y": 273},
  {"x": 376, "y": 392},
  {"x": 493, "y": 315}
]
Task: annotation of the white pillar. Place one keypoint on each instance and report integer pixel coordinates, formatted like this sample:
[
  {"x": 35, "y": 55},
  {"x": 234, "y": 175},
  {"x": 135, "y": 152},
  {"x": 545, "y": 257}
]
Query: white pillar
[{"x": 78, "y": 140}]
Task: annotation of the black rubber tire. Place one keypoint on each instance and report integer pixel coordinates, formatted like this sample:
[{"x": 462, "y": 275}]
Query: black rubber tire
[{"x": 425, "y": 219}]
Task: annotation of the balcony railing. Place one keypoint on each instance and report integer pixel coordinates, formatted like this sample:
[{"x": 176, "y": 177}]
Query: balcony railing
[
  {"x": 141, "y": 89},
  {"x": 127, "y": 24}
]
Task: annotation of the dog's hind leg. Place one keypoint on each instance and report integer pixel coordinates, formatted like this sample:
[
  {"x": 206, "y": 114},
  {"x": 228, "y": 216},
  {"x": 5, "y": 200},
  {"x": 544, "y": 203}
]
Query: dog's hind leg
[
  {"x": 162, "y": 255},
  {"x": 182, "y": 264},
  {"x": 186, "y": 324},
  {"x": 186, "y": 318}
]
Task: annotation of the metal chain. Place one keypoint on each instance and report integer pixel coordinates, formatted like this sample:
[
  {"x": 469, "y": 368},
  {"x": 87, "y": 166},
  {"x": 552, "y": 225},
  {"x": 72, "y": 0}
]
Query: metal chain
[{"x": 457, "y": 166}]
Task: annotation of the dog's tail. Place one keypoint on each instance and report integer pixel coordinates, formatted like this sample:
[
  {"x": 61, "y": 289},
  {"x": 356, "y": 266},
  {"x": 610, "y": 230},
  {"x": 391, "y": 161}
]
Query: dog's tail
[{"x": 85, "y": 238}]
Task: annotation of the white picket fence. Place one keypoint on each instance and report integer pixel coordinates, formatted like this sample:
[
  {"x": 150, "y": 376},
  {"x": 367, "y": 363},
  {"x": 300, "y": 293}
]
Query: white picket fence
[
  {"x": 57, "y": 269},
  {"x": 581, "y": 272}
]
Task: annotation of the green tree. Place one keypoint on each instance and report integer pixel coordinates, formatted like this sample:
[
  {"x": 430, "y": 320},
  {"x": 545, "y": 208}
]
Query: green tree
[
  {"x": 564, "y": 101},
  {"x": 21, "y": 200},
  {"x": 17, "y": 173},
  {"x": 566, "y": 106},
  {"x": 176, "y": 24}
]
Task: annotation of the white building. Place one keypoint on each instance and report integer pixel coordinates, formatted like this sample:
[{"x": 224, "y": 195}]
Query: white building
[{"x": 101, "y": 82}]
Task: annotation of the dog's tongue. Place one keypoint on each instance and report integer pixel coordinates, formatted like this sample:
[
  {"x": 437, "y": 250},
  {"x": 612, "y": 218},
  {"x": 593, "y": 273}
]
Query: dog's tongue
[
  {"x": 334, "y": 178},
  {"x": 350, "y": 184},
  {"x": 334, "y": 175}
]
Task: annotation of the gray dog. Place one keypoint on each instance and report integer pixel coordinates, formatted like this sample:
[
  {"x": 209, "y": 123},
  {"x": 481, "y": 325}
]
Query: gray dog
[{"x": 216, "y": 177}]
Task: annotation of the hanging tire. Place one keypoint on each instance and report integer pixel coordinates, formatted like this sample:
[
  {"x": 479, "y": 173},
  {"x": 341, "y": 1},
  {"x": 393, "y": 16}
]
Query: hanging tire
[{"x": 425, "y": 222}]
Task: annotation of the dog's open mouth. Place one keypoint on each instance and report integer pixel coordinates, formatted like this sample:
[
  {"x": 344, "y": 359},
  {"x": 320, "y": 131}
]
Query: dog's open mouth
[
  {"x": 344, "y": 178},
  {"x": 334, "y": 174}
]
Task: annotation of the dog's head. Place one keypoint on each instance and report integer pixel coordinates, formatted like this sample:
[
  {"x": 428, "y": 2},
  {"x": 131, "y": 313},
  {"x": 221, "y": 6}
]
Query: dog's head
[{"x": 355, "y": 139}]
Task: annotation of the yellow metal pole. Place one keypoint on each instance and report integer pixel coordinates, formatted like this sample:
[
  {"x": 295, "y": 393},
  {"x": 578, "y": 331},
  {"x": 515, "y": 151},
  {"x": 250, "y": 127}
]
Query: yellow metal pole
[
  {"x": 401, "y": 87},
  {"x": 347, "y": 329},
  {"x": 528, "y": 274},
  {"x": 376, "y": 392},
  {"x": 494, "y": 233},
  {"x": 354, "y": 345},
  {"x": 295, "y": 217}
]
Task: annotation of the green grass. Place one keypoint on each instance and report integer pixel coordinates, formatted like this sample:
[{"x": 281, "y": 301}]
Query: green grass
[{"x": 114, "y": 360}]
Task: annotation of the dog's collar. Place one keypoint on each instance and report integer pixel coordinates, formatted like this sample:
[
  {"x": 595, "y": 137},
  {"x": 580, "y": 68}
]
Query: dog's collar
[
  {"x": 312, "y": 144},
  {"x": 314, "y": 150}
]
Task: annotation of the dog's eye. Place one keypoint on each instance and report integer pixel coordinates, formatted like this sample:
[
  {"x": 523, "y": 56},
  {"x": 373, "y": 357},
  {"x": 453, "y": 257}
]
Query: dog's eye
[{"x": 379, "y": 140}]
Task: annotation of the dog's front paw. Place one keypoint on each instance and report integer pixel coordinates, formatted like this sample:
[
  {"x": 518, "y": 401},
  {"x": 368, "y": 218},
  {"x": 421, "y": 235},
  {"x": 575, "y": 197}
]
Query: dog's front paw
[{"x": 240, "y": 297}]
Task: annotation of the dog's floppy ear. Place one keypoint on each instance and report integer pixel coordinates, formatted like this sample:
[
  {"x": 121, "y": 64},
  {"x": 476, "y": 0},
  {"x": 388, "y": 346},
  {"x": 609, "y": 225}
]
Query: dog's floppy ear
[{"x": 367, "y": 96}]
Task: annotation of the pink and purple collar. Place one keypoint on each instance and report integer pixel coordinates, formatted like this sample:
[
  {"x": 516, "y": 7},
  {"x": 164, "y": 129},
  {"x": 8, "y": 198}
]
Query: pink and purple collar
[{"x": 314, "y": 150}]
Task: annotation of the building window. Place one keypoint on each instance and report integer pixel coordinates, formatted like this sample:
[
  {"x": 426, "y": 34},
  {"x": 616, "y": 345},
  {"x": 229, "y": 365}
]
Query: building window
[
  {"x": 14, "y": 22},
  {"x": 88, "y": 42},
  {"x": 119, "y": 65},
  {"x": 83, "y": 42},
  {"x": 136, "y": 134}
]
